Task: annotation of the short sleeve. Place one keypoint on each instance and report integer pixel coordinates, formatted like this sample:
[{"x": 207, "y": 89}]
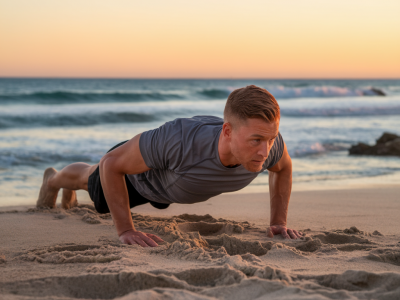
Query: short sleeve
[
  {"x": 161, "y": 147},
  {"x": 276, "y": 153}
]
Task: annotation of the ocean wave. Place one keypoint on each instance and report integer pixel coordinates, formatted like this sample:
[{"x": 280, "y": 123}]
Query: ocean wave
[
  {"x": 215, "y": 93},
  {"x": 74, "y": 119},
  {"x": 303, "y": 150},
  {"x": 341, "y": 112},
  {"x": 306, "y": 150},
  {"x": 37, "y": 158},
  {"x": 322, "y": 92},
  {"x": 280, "y": 92},
  {"x": 109, "y": 115},
  {"x": 316, "y": 176},
  {"x": 60, "y": 97}
]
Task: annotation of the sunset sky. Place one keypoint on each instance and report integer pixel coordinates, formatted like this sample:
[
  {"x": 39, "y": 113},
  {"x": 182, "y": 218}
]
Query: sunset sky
[{"x": 200, "y": 39}]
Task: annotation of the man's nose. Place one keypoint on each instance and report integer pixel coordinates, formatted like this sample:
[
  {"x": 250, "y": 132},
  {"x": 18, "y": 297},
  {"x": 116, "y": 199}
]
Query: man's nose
[{"x": 264, "y": 150}]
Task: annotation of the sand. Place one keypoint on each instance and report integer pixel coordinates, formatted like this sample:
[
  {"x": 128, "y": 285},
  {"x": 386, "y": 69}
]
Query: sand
[{"x": 212, "y": 250}]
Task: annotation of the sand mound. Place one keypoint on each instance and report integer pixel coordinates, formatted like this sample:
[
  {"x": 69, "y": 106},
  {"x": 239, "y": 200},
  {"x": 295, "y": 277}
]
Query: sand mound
[
  {"x": 93, "y": 286},
  {"x": 91, "y": 219},
  {"x": 235, "y": 245},
  {"x": 214, "y": 276},
  {"x": 122, "y": 265},
  {"x": 210, "y": 283},
  {"x": 391, "y": 256},
  {"x": 62, "y": 254},
  {"x": 354, "y": 247},
  {"x": 309, "y": 245},
  {"x": 205, "y": 228},
  {"x": 355, "y": 230},
  {"x": 281, "y": 251},
  {"x": 360, "y": 281},
  {"x": 191, "y": 249},
  {"x": 197, "y": 218},
  {"x": 165, "y": 294},
  {"x": 88, "y": 213},
  {"x": 337, "y": 238},
  {"x": 14, "y": 211}
]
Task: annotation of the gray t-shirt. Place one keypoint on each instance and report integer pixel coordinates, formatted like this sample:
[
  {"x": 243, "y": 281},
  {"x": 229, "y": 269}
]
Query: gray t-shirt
[{"x": 185, "y": 165}]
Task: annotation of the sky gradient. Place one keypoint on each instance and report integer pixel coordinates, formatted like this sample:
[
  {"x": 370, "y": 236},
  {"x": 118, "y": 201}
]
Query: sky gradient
[{"x": 200, "y": 39}]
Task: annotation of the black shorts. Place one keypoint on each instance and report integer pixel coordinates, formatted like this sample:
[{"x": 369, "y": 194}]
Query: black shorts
[{"x": 97, "y": 195}]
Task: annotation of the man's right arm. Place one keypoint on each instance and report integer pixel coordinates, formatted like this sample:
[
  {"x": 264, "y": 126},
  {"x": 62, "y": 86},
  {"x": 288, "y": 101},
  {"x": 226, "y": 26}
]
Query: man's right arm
[{"x": 126, "y": 159}]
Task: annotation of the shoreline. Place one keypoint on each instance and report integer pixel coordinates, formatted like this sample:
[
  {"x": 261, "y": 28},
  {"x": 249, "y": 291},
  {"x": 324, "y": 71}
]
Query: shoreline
[
  {"x": 327, "y": 207},
  {"x": 388, "y": 181}
]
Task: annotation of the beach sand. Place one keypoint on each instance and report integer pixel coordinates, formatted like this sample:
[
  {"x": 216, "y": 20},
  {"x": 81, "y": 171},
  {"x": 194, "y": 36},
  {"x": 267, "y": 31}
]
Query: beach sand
[{"x": 217, "y": 249}]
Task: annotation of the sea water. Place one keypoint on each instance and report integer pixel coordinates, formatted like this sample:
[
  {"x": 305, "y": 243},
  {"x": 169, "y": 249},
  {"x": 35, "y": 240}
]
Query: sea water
[{"x": 55, "y": 122}]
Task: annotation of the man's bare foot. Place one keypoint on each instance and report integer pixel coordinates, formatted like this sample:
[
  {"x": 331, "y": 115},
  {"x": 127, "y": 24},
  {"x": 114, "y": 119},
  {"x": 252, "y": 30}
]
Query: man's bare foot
[
  {"x": 69, "y": 199},
  {"x": 47, "y": 196}
]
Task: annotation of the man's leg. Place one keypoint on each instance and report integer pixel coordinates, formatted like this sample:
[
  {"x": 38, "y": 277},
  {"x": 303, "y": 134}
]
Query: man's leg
[{"x": 73, "y": 177}]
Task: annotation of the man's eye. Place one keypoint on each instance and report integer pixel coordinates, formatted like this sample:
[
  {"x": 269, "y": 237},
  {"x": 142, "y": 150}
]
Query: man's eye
[{"x": 257, "y": 140}]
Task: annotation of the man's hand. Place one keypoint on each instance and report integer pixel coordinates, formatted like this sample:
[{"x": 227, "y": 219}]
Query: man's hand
[
  {"x": 132, "y": 237},
  {"x": 287, "y": 233}
]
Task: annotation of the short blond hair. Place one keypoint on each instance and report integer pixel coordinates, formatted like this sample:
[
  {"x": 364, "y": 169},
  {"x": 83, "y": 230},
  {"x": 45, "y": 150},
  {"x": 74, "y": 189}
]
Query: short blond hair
[{"x": 251, "y": 102}]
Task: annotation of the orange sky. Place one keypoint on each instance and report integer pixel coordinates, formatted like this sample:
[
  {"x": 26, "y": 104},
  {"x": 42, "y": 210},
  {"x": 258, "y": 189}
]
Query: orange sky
[{"x": 200, "y": 39}]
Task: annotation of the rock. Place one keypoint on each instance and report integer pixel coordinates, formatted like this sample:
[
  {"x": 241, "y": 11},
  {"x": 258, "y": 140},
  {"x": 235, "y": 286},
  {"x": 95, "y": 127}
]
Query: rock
[
  {"x": 387, "y": 137},
  {"x": 387, "y": 145},
  {"x": 374, "y": 92},
  {"x": 378, "y": 92}
]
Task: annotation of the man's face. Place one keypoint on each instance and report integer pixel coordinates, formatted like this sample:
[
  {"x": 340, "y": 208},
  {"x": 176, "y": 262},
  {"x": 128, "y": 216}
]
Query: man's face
[{"x": 252, "y": 141}]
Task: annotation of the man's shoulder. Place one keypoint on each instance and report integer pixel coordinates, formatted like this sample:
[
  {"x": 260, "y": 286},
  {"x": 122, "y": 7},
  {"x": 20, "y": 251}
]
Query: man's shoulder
[
  {"x": 181, "y": 142},
  {"x": 194, "y": 127},
  {"x": 196, "y": 137},
  {"x": 198, "y": 121}
]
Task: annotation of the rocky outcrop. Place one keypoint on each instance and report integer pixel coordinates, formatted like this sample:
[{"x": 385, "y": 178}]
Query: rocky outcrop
[
  {"x": 374, "y": 92},
  {"x": 387, "y": 145}
]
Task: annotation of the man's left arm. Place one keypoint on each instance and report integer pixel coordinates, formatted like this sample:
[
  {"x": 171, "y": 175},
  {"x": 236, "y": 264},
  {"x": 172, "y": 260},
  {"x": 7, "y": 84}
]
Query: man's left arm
[{"x": 280, "y": 188}]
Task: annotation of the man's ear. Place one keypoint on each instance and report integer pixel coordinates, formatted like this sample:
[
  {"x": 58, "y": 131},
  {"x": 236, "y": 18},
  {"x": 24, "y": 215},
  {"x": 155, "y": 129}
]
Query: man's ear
[{"x": 227, "y": 130}]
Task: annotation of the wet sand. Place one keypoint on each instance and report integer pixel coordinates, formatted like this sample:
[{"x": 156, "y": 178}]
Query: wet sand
[{"x": 213, "y": 250}]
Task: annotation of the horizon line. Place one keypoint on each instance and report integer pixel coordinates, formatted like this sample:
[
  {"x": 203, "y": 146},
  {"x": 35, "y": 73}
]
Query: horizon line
[{"x": 204, "y": 78}]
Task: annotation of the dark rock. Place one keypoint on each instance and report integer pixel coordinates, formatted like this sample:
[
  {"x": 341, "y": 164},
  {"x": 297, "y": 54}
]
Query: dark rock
[
  {"x": 378, "y": 92},
  {"x": 387, "y": 137},
  {"x": 374, "y": 92},
  {"x": 387, "y": 145}
]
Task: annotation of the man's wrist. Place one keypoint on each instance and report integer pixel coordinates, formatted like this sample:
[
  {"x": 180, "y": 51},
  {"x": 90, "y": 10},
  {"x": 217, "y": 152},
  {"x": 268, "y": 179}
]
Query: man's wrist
[
  {"x": 278, "y": 224},
  {"x": 127, "y": 230}
]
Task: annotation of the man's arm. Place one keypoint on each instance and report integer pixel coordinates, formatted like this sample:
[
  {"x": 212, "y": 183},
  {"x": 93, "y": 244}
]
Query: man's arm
[
  {"x": 280, "y": 188},
  {"x": 126, "y": 159}
]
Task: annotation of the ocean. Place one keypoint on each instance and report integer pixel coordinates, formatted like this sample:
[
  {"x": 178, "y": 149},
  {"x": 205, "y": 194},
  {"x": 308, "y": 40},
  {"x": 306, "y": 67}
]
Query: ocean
[{"x": 55, "y": 122}]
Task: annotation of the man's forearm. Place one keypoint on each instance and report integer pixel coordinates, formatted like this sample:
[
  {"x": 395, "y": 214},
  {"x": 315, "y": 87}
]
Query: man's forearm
[
  {"x": 280, "y": 188},
  {"x": 117, "y": 197}
]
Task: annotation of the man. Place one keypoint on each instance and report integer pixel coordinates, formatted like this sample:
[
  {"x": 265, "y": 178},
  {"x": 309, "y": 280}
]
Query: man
[{"x": 187, "y": 160}]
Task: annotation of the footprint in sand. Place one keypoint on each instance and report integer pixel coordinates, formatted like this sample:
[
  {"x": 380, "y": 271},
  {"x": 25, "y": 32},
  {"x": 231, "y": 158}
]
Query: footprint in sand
[{"x": 72, "y": 253}]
